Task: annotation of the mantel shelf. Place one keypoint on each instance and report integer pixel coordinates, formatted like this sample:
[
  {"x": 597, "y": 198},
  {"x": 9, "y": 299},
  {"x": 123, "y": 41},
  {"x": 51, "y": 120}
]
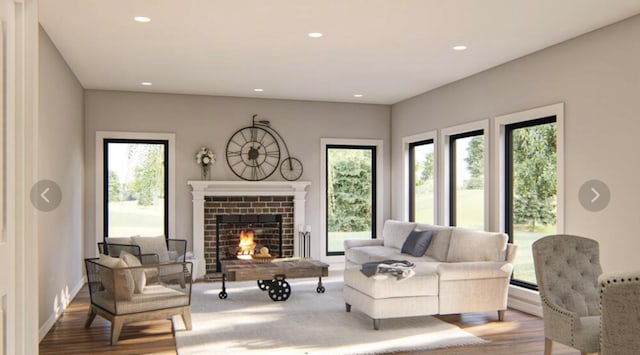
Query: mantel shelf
[{"x": 247, "y": 188}]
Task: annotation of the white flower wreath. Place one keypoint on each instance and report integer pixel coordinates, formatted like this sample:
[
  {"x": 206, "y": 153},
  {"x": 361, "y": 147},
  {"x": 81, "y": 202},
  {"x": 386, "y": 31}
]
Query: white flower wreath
[{"x": 205, "y": 157}]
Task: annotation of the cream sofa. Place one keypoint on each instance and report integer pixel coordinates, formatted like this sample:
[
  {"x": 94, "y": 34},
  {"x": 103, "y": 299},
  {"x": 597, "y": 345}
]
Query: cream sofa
[{"x": 461, "y": 271}]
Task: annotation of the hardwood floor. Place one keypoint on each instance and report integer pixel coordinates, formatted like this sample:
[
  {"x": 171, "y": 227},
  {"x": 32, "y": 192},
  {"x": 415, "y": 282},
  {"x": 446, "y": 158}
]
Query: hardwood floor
[{"x": 520, "y": 333}]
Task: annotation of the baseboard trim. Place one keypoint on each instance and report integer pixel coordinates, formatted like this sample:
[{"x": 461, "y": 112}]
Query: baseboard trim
[
  {"x": 51, "y": 321},
  {"x": 525, "y": 300}
]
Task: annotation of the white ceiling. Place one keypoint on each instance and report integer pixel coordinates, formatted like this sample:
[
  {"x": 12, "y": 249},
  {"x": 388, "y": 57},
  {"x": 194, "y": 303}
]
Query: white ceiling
[{"x": 386, "y": 50}]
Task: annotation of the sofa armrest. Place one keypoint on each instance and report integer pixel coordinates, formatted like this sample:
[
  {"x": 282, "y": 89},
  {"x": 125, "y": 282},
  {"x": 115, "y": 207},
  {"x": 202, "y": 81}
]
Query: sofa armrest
[
  {"x": 474, "y": 270},
  {"x": 352, "y": 243}
]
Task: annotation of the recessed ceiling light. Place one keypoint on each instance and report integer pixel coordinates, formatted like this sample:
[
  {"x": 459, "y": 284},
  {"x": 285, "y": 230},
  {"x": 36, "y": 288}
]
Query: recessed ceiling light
[
  {"x": 258, "y": 90},
  {"x": 357, "y": 95},
  {"x": 142, "y": 19},
  {"x": 146, "y": 83},
  {"x": 315, "y": 34},
  {"x": 459, "y": 47}
]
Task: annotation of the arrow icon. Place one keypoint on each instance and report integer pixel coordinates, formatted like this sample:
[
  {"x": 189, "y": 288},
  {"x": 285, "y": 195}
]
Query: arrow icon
[
  {"x": 44, "y": 193},
  {"x": 596, "y": 193}
]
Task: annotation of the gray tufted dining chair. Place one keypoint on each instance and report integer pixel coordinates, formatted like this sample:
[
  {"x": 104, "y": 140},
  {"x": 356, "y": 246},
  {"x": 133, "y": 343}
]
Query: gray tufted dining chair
[
  {"x": 620, "y": 307},
  {"x": 567, "y": 269}
]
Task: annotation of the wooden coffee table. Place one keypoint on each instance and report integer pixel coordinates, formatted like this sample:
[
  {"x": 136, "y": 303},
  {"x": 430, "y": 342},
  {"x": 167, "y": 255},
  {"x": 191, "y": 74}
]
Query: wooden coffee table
[{"x": 271, "y": 275}]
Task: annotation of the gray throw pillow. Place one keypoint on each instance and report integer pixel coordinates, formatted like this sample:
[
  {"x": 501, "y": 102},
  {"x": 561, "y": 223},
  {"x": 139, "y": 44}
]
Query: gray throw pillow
[{"x": 417, "y": 243}]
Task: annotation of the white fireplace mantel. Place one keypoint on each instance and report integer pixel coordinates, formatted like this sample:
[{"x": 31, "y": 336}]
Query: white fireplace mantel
[{"x": 201, "y": 189}]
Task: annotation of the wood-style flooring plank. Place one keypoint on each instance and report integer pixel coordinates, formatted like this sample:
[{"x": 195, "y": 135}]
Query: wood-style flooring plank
[{"x": 520, "y": 333}]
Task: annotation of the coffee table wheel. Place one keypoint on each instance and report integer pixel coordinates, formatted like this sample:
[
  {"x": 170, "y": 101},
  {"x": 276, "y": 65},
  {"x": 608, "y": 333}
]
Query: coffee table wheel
[
  {"x": 222, "y": 295},
  {"x": 264, "y": 284},
  {"x": 320, "y": 289},
  {"x": 279, "y": 290}
]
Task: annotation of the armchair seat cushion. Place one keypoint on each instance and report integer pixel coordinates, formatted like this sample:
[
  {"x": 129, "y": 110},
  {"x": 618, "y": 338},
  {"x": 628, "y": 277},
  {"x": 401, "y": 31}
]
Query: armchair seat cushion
[{"x": 153, "y": 298}]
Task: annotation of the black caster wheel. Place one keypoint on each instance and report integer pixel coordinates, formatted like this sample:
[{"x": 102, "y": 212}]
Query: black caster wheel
[
  {"x": 222, "y": 295},
  {"x": 279, "y": 290},
  {"x": 320, "y": 289},
  {"x": 264, "y": 284}
]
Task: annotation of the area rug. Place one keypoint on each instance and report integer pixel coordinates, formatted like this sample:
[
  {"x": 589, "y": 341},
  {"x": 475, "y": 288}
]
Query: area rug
[{"x": 249, "y": 322}]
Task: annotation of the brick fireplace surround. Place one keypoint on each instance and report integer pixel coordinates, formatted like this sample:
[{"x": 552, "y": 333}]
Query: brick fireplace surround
[{"x": 210, "y": 198}]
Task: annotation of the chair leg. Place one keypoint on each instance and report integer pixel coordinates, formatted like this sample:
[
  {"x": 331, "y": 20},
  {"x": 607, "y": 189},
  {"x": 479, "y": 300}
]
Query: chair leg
[
  {"x": 90, "y": 318},
  {"x": 501, "y": 315},
  {"x": 116, "y": 328},
  {"x": 376, "y": 324},
  {"x": 548, "y": 346},
  {"x": 186, "y": 318}
]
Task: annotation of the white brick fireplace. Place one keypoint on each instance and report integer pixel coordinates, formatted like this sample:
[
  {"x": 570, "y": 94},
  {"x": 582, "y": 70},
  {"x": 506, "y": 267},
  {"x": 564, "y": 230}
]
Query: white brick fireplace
[{"x": 201, "y": 189}]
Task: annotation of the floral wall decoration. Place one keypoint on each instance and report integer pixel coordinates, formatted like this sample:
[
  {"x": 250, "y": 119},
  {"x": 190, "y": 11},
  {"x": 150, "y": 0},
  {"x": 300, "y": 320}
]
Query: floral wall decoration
[{"x": 205, "y": 158}]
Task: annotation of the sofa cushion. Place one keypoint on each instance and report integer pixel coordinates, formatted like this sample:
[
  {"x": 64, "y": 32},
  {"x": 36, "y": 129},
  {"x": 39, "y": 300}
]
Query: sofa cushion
[
  {"x": 394, "y": 233},
  {"x": 423, "y": 283},
  {"x": 471, "y": 245},
  {"x": 439, "y": 246},
  {"x": 153, "y": 245},
  {"x": 139, "y": 277},
  {"x": 117, "y": 282},
  {"x": 417, "y": 243}
]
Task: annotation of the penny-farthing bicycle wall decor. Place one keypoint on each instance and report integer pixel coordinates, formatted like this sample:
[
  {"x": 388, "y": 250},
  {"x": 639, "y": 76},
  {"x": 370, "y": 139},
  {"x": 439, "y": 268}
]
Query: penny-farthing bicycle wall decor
[{"x": 253, "y": 153}]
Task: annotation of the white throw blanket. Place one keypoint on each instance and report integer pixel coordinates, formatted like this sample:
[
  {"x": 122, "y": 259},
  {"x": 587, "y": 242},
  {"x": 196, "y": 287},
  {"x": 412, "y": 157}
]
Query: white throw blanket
[{"x": 400, "y": 269}]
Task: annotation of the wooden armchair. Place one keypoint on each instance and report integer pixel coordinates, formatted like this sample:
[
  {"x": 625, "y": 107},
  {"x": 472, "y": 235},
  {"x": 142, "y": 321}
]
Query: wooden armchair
[{"x": 121, "y": 293}]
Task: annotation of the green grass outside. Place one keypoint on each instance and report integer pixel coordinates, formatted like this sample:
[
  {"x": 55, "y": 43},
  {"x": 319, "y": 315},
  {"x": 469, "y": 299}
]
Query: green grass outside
[{"x": 126, "y": 218}]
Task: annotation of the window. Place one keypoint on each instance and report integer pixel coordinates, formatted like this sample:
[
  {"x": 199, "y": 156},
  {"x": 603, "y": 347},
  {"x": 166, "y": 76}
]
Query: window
[
  {"x": 531, "y": 189},
  {"x": 421, "y": 181},
  {"x": 135, "y": 187},
  {"x": 467, "y": 180},
  {"x": 530, "y": 147},
  {"x": 350, "y": 199}
]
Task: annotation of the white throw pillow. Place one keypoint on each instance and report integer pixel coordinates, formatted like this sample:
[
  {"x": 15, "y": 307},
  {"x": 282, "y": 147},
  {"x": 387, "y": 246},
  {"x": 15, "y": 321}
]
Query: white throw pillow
[
  {"x": 118, "y": 283},
  {"x": 153, "y": 245},
  {"x": 139, "y": 277},
  {"x": 394, "y": 233}
]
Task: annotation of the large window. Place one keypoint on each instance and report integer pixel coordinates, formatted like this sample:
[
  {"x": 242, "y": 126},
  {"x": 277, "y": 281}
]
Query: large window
[
  {"x": 531, "y": 183},
  {"x": 350, "y": 195},
  {"x": 136, "y": 198},
  {"x": 466, "y": 180},
  {"x": 421, "y": 181}
]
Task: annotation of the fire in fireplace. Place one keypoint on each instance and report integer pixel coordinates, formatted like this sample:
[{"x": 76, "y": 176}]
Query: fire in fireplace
[
  {"x": 261, "y": 232},
  {"x": 247, "y": 245}
]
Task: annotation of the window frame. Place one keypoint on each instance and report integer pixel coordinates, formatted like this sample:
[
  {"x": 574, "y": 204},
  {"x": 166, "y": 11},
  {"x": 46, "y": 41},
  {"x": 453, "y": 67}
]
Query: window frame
[
  {"x": 501, "y": 124},
  {"x": 448, "y": 199},
  {"x": 105, "y": 170},
  {"x": 412, "y": 174},
  {"x": 378, "y": 192},
  {"x": 99, "y": 175}
]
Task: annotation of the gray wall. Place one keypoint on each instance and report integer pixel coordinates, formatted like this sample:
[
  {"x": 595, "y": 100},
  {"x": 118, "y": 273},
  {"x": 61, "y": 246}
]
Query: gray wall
[
  {"x": 597, "y": 76},
  {"x": 61, "y": 159},
  {"x": 210, "y": 121}
]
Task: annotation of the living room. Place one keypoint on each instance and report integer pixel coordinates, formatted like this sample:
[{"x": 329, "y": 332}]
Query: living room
[{"x": 592, "y": 72}]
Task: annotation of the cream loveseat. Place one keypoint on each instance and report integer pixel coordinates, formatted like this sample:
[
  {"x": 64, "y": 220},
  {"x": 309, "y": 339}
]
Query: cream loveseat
[{"x": 461, "y": 271}]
